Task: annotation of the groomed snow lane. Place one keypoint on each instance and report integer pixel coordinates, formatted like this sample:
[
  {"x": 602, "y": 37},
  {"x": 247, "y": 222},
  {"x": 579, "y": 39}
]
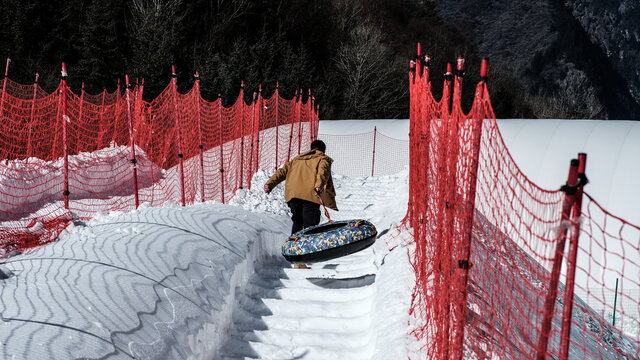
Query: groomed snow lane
[{"x": 323, "y": 313}]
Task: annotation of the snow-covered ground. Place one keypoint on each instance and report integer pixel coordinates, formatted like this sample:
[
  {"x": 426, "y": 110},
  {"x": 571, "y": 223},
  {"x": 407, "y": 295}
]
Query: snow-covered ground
[
  {"x": 396, "y": 128},
  {"x": 542, "y": 148},
  {"x": 207, "y": 282}
]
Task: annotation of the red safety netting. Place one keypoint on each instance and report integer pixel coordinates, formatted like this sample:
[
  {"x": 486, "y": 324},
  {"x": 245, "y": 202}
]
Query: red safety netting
[
  {"x": 606, "y": 308},
  {"x": 492, "y": 271},
  {"x": 68, "y": 156},
  {"x": 366, "y": 154}
]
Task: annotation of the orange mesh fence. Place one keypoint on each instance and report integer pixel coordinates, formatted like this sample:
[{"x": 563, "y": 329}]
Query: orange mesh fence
[
  {"x": 498, "y": 259},
  {"x": 68, "y": 156}
]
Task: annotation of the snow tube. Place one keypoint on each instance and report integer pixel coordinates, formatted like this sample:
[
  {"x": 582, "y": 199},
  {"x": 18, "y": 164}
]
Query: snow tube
[{"x": 329, "y": 241}]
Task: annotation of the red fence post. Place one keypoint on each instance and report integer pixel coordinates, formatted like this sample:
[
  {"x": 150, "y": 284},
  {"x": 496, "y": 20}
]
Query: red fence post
[
  {"x": 446, "y": 93},
  {"x": 295, "y": 99},
  {"x": 312, "y": 119},
  {"x": 100, "y": 114},
  {"x": 138, "y": 109},
  {"x": 484, "y": 69},
  {"x": 242, "y": 135},
  {"x": 317, "y": 121},
  {"x": 174, "y": 83},
  {"x": 6, "y": 75},
  {"x": 33, "y": 109},
  {"x": 413, "y": 130},
  {"x": 552, "y": 291},
  {"x": 116, "y": 114},
  {"x": 4, "y": 91},
  {"x": 277, "y": 96},
  {"x": 373, "y": 157},
  {"x": 4, "y": 86},
  {"x": 200, "y": 146},
  {"x": 253, "y": 126},
  {"x": 309, "y": 114},
  {"x": 260, "y": 105},
  {"x": 65, "y": 145},
  {"x": 457, "y": 87},
  {"x": 572, "y": 258},
  {"x": 81, "y": 103},
  {"x": 468, "y": 206},
  {"x": 132, "y": 141},
  {"x": 419, "y": 66},
  {"x": 300, "y": 123},
  {"x": 450, "y": 285},
  {"x": 221, "y": 150}
]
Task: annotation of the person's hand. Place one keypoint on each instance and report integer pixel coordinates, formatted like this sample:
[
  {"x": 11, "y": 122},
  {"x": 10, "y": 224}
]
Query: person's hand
[
  {"x": 266, "y": 188},
  {"x": 318, "y": 190}
]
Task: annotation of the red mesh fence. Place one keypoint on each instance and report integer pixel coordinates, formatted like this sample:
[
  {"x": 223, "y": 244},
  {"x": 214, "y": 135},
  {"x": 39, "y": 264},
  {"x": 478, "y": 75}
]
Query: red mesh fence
[
  {"x": 366, "y": 154},
  {"x": 606, "y": 311},
  {"x": 497, "y": 259},
  {"x": 68, "y": 156}
]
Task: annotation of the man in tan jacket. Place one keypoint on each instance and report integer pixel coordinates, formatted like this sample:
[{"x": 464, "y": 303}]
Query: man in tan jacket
[{"x": 307, "y": 176}]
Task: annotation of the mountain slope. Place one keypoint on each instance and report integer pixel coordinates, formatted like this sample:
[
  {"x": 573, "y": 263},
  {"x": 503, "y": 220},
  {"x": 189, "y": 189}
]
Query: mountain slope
[
  {"x": 544, "y": 45},
  {"x": 615, "y": 27}
]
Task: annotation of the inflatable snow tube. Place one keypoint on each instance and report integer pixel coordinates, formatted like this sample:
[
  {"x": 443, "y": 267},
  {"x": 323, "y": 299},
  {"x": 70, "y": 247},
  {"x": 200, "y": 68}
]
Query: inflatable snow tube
[{"x": 329, "y": 241}]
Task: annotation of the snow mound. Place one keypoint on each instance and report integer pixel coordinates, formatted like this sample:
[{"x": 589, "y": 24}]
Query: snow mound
[
  {"x": 30, "y": 184},
  {"x": 256, "y": 200}
]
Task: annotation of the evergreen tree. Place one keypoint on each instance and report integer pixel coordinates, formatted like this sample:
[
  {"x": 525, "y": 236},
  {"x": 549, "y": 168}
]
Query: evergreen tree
[
  {"x": 353, "y": 54},
  {"x": 101, "y": 56},
  {"x": 155, "y": 37}
]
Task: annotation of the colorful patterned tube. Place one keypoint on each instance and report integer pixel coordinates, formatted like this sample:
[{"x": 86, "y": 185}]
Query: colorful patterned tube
[{"x": 329, "y": 241}]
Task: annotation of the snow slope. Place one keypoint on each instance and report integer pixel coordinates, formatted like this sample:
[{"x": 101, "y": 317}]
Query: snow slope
[
  {"x": 542, "y": 148},
  {"x": 333, "y": 310},
  {"x": 207, "y": 282}
]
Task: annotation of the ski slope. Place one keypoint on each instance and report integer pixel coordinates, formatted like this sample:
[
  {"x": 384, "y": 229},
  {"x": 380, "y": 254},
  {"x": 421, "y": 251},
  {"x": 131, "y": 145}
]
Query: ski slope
[
  {"x": 326, "y": 312},
  {"x": 207, "y": 281},
  {"x": 330, "y": 311}
]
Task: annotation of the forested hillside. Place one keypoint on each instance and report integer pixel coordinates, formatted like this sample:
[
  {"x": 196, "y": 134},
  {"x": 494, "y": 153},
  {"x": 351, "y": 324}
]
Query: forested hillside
[
  {"x": 353, "y": 54},
  {"x": 571, "y": 60}
]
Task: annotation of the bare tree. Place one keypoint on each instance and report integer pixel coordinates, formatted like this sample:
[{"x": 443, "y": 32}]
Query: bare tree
[
  {"x": 575, "y": 98},
  {"x": 348, "y": 14},
  {"x": 368, "y": 75},
  {"x": 580, "y": 95},
  {"x": 224, "y": 13},
  {"x": 155, "y": 34}
]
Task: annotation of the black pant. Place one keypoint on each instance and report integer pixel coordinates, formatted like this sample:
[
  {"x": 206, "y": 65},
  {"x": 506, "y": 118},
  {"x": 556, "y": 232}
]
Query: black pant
[{"x": 304, "y": 214}]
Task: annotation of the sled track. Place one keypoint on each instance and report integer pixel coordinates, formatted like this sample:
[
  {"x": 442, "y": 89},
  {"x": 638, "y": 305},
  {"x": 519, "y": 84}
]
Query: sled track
[{"x": 323, "y": 313}]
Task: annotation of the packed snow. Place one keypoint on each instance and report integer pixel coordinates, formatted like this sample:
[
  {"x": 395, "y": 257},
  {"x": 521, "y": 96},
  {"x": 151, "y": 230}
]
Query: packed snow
[
  {"x": 542, "y": 148},
  {"x": 31, "y": 179},
  {"x": 207, "y": 281}
]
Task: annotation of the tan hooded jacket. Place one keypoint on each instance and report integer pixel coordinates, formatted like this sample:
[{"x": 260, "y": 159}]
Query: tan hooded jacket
[{"x": 307, "y": 171}]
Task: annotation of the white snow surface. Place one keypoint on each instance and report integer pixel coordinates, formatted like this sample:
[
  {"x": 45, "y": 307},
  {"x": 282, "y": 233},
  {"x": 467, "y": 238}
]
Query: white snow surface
[
  {"x": 395, "y": 128},
  {"x": 39, "y": 182},
  {"x": 207, "y": 281},
  {"x": 543, "y": 148}
]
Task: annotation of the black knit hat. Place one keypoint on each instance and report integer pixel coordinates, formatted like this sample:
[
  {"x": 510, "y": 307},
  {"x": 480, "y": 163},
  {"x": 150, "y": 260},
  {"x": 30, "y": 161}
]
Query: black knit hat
[{"x": 318, "y": 145}]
